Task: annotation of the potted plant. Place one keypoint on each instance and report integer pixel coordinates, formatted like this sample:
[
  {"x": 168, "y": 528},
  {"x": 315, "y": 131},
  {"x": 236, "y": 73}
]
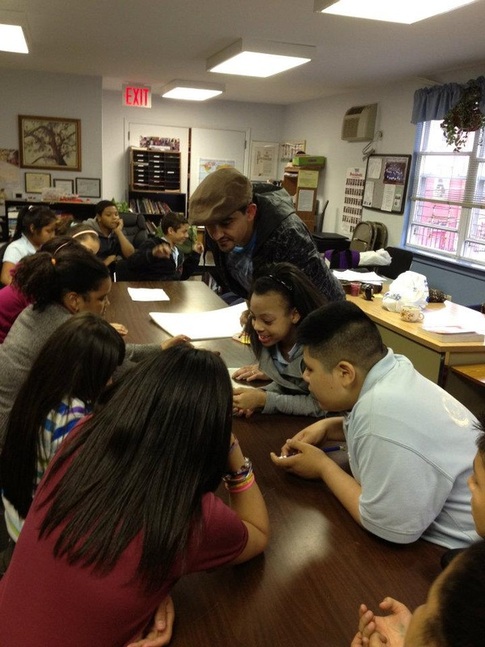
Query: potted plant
[{"x": 464, "y": 117}]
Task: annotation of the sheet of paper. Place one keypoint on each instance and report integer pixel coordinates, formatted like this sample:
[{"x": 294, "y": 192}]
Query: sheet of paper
[
  {"x": 362, "y": 277},
  {"x": 148, "y": 294},
  {"x": 450, "y": 316},
  {"x": 214, "y": 324}
]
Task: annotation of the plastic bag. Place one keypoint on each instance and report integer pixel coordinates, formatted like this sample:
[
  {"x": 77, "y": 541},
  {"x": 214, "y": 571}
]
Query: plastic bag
[{"x": 409, "y": 289}]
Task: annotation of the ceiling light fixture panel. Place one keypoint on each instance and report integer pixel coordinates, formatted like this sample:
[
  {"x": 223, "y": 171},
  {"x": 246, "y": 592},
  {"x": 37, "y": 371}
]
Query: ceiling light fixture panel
[
  {"x": 407, "y": 12},
  {"x": 259, "y": 58},
  {"x": 191, "y": 90},
  {"x": 13, "y": 32}
]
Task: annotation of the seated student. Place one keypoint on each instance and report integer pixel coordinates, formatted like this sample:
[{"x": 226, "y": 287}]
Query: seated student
[
  {"x": 280, "y": 299},
  {"x": 35, "y": 226},
  {"x": 12, "y": 298},
  {"x": 60, "y": 284},
  {"x": 453, "y": 614},
  {"x": 451, "y": 617},
  {"x": 85, "y": 235},
  {"x": 127, "y": 507},
  {"x": 65, "y": 380},
  {"x": 112, "y": 240},
  {"x": 410, "y": 444},
  {"x": 159, "y": 258}
]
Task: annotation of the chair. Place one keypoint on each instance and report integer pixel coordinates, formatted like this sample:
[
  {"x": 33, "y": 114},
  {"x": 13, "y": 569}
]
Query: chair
[
  {"x": 401, "y": 260},
  {"x": 134, "y": 228}
]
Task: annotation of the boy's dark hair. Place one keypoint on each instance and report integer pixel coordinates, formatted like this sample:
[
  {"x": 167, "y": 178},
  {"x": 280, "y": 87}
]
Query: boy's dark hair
[
  {"x": 460, "y": 620},
  {"x": 174, "y": 220},
  {"x": 35, "y": 217},
  {"x": 294, "y": 287},
  {"x": 341, "y": 331},
  {"x": 102, "y": 205},
  {"x": 481, "y": 435}
]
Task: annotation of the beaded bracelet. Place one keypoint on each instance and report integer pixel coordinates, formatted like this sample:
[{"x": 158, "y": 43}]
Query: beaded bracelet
[
  {"x": 240, "y": 474},
  {"x": 241, "y": 487}
]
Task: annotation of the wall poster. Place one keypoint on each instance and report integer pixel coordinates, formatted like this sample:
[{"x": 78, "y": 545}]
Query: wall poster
[{"x": 354, "y": 190}]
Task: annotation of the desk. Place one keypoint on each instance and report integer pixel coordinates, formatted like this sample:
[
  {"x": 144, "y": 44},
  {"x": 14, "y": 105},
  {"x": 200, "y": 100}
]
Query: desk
[
  {"x": 430, "y": 356},
  {"x": 305, "y": 590}
]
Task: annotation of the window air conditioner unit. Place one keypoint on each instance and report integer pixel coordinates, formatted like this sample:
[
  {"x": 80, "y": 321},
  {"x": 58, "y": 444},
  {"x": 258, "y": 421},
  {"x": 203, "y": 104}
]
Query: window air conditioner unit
[{"x": 359, "y": 123}]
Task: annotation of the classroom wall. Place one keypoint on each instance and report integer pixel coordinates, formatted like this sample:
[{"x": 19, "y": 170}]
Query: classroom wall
[
  {"x": 54, "y": 95},
  {"x": 319, "y": 122},
  {"x": 263, "y": 123}
]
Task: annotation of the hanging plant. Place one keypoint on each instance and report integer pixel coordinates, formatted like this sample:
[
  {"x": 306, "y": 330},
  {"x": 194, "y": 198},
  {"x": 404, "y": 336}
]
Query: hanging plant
[{"x": 464, "y": 117}]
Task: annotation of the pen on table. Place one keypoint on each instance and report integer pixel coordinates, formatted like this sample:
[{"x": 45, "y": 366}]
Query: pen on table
[{"x": 334, "y": 448}]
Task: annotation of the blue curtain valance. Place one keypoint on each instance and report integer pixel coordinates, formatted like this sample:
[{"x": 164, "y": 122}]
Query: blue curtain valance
[{"x": 436, "y": 101}]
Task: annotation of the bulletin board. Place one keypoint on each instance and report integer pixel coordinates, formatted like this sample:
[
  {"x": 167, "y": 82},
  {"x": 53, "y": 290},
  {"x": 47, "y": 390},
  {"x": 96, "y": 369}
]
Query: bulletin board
[{"x": 386, "y": 182}]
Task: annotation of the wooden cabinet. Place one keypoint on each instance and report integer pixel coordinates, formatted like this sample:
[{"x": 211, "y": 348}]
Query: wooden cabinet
[
  {"x": 301, "y": 182},
  {"x": 155, "y": 181}
]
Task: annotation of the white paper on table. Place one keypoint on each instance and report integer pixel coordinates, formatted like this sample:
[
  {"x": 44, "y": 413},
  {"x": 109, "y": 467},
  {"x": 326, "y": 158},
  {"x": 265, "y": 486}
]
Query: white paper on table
[
  {"x": 213, "y": 324},
  {"x": 148, "y": 294},
  {"x": 362, "y": 277},
  {"x": 449, "y": 317}
]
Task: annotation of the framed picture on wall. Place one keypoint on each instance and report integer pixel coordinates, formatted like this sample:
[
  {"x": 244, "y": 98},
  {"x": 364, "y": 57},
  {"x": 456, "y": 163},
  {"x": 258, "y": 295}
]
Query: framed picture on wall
[
  {"x": 264, "y": 161},
  {"x": 36, "y": 182},
  {"x": 88, "y": 187},
  {"x": 52, "y": 143},
  {"x": 65, "y": 185}
]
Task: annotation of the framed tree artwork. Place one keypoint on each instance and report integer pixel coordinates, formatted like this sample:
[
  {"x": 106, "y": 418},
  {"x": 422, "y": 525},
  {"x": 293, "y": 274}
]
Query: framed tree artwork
[{"x": 51, "y": 143}]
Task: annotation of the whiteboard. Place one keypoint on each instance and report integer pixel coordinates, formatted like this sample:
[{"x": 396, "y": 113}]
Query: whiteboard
[
  {"x": 216, "y": 144},
  {"x": 136, "y": 130}
]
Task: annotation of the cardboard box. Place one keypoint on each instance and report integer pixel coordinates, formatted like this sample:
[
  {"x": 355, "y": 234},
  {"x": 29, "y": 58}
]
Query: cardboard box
[{"x": 309, "y": 160}]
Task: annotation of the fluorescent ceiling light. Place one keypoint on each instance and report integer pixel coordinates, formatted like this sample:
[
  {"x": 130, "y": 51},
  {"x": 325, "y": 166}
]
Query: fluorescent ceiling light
[
  {"x": 259, "y": 58},
  {"x": 404, "y": 12},
  {"x": 13, "y": 32},
  {"x": 191, "y": 90}
]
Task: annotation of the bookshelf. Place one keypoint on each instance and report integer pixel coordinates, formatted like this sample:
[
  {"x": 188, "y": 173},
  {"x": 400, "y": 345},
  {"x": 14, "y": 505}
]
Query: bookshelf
[{"x": 155, "y": 182}]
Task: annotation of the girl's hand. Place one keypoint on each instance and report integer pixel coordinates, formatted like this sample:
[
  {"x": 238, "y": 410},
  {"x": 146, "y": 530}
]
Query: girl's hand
[
  {"x": 248, "y": 399},
  {"x": 249, "y": 373},
  {"x": 120, "y": 329},
  {"x": 161, "y": 631},
  {"x": 175, "y": 341},
  {"x": 198, "y": 248}
]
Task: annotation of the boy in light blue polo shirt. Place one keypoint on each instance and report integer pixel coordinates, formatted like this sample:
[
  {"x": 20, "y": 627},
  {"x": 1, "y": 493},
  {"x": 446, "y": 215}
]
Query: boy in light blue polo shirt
[{"x": 411, "y": 445}]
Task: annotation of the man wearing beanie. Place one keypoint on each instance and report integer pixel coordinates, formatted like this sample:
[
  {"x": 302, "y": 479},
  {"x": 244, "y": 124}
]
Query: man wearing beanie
[{"x": 251, "y": 226}]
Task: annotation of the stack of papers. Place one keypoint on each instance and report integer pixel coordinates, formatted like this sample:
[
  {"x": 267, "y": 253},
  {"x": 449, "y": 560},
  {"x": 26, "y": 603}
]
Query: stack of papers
[
  {"x": 362, "y": 277},
  {"x": 213, "y": 324},
  {"x": 452, "y": 324}
]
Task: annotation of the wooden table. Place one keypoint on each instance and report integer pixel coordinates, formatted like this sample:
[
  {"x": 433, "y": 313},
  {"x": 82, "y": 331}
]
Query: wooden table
[
  {"x": 305, "y": 590},
  {"x": 185, "y": 296},
  {"x": 430, "y": 356}
]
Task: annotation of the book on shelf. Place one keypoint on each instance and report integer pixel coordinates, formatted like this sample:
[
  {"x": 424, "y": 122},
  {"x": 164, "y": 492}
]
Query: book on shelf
[{"x": 454, "y": 333}]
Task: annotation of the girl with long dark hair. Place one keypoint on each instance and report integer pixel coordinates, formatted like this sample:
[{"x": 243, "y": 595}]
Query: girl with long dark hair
[
  {"x": 128, "y": 507},
  {"x": 63, "y": 384}
]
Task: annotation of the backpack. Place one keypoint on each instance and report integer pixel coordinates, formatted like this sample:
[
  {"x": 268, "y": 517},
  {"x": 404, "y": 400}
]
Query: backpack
[{"x": 368, "y": 236}]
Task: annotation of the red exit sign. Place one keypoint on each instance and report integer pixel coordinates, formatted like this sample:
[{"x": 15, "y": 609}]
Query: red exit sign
[{"x": 137, "y": 96}]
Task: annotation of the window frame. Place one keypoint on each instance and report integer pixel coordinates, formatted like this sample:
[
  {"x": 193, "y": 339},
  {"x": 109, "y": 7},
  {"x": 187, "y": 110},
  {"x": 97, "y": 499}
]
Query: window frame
[{"x": 470, "y": 206}]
